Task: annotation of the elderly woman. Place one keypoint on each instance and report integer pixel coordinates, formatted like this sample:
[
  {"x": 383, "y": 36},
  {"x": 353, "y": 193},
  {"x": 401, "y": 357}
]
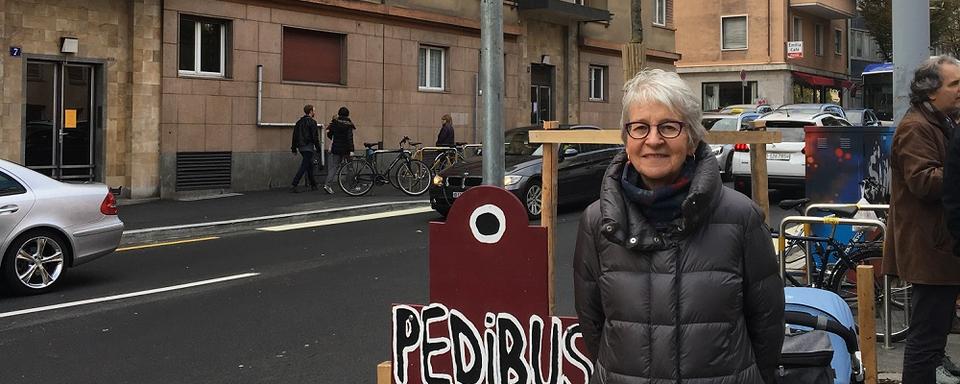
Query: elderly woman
[{"x": 675, "y": 275}]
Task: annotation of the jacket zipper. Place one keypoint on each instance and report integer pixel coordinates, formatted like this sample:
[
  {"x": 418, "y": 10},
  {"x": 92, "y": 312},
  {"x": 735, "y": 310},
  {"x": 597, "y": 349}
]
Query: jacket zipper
[{"x": 677, "y": 286}]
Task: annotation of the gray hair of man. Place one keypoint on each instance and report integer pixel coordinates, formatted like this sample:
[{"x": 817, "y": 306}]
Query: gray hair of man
[
  {"x": 927, "y": 79},
  {"x": 667, "y": 88}
]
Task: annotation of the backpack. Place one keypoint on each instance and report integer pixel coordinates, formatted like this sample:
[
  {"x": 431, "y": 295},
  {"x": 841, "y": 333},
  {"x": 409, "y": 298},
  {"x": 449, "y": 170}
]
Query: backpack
[{"x": 805, "y": 358}]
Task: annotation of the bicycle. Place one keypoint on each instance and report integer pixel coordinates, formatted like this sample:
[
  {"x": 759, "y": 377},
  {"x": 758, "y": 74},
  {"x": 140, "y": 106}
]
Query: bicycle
[
  {"x": 358, "y": 175},
  {"x": 445, "y": 158},
  {"x": 837, "y": 262}
]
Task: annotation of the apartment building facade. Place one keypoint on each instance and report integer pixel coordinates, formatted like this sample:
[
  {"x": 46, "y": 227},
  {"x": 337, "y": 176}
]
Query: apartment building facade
[
  {"x": 745, "y": 60},
  {"x": 177, "y": 97}
]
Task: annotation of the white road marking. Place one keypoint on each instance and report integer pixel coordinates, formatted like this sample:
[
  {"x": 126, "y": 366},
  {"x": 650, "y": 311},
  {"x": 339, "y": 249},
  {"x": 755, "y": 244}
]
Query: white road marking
[
  {"x": 342, "y": 220},
  {"x": 168, "y": 243},
  {"x": 127, "y": 295}
]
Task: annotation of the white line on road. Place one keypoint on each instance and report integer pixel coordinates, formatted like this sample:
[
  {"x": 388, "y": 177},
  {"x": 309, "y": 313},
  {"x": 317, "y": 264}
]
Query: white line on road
[
  {"x": 127, "y": 295},
  {"x": 342, "y": 220}
]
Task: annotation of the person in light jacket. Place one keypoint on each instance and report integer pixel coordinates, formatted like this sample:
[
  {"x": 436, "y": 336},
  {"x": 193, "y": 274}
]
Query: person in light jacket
[{"x": 675, "y": 276}]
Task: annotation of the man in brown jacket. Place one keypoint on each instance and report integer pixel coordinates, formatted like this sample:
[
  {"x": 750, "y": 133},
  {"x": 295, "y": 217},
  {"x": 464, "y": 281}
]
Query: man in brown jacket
[{"x": 919, "y": 249}]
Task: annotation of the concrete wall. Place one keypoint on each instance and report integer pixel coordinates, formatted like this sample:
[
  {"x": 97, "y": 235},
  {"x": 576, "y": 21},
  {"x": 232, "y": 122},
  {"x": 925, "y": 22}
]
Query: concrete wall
[{"x": 128, "y": 50}]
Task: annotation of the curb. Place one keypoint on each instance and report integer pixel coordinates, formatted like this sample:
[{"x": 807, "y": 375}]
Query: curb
[{"x": 150, "y": 235}]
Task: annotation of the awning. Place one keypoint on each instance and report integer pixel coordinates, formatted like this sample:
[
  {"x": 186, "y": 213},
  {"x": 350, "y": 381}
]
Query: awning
[{"x": 822, "y": 81}]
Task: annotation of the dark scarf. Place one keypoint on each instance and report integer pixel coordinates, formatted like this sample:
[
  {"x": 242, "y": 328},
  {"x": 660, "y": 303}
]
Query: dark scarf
[
  {"x": 659, "y": 205},
  {"x": 949, "y": 124}
]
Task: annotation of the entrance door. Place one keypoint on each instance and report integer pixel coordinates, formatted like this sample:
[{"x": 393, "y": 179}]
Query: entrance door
[
  {"x": 541, "y": 93},
  {"x": 61, "y": 125}
]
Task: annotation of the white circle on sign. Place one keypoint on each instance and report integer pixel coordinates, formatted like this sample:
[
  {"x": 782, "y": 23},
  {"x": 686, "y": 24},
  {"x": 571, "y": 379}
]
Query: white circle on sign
[{"x": 501, "y": 221}]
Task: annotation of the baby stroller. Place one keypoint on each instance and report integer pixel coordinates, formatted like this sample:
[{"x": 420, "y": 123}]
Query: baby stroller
[{"x": 820, "y": 345}]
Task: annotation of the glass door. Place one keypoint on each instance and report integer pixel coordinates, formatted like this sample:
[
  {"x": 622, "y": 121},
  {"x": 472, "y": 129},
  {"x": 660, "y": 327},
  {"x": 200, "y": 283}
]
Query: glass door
[{"x": 60, "y": 120}]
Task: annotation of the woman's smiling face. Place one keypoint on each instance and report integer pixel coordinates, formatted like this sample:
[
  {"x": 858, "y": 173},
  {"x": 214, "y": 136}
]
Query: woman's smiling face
[{"x": 658, "y": 160}]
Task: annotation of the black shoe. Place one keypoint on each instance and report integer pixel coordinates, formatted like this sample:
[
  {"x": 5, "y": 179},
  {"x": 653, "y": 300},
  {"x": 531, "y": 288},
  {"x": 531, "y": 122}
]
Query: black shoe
[
  {"x": 314, "y": 188},
  {"x": 294, "y": 189}
]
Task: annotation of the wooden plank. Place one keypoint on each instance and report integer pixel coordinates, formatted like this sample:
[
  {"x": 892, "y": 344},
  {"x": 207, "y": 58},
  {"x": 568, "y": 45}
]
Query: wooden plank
[
  {"x": 612, "y": 136},
  {"x": 866, "y": 306},
  {"x": 385, "y": 373},
  {"x": 548, "y": 207},
  {"x": 758, "y": 178}
]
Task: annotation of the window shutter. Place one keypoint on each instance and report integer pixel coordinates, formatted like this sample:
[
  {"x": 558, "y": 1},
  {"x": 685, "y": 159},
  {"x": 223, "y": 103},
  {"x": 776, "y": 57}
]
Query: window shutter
[{"x": 734, "y": 32}]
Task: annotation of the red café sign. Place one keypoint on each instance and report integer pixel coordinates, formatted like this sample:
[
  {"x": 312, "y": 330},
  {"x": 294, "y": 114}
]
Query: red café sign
[{"x": 487, "y": 321}]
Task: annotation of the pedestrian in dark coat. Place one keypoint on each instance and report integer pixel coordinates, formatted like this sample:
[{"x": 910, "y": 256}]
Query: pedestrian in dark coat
[
  {"x": 919, "y": 248},
  {"x": 446, "y": 136},
  {"x": 306, "y": 141},
  {"x": 675, "y": 276},
  {"x": 340, "y": 131}
]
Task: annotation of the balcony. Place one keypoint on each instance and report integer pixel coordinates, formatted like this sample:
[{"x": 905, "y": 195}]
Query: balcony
[
  {"x": 560, "y": 11},
  {"x": 827, "y": 9}
]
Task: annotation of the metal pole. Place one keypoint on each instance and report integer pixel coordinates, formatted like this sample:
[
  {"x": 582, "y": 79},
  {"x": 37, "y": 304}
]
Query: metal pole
[
  {"x": 491, "y": 71},
  {"x": 886, "y": 312},
  {"x": 911, "y": 45}
]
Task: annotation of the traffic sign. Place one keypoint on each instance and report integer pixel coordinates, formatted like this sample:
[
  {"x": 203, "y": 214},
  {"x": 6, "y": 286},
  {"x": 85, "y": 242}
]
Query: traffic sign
[{"x": 743, "y": 75}]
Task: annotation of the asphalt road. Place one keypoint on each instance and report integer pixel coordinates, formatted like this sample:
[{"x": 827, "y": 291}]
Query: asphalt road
[{"x": 316, "y": 310}]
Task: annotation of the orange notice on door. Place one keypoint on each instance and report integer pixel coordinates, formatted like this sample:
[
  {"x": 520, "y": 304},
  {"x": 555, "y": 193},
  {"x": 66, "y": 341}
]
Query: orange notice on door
[{"x": 70, "y": 118}]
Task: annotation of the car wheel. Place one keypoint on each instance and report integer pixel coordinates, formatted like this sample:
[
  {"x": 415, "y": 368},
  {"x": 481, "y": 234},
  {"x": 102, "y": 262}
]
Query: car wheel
[
  {"x": 533, "y": 199},
  {"x": 35, "y": 262}
]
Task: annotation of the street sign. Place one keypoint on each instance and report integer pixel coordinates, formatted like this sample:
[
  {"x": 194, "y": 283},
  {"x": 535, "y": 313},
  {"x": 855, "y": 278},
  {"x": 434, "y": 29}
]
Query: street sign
[
  {"x": 15, "y": 51},
  {"x": 794, "y": 49},
  {"x": 743, "y": 75}
]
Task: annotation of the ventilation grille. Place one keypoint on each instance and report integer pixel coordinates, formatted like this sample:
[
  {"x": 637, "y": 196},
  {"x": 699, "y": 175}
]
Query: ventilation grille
[
  {"x": 203, "y": 170},
  {"x": 845, "y": 143}
]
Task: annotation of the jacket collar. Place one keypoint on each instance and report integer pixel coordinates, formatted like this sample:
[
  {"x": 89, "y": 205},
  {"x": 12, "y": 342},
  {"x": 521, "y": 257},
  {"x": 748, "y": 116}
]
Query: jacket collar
[
  {"x": 621, "y": 221},
  {"x": 930, "y": 113}
]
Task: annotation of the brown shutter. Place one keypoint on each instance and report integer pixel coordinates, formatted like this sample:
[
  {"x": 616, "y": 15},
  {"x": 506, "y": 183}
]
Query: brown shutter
[
  {"x": 669, "y": 21},
  {"x": 312, "y": 56}
]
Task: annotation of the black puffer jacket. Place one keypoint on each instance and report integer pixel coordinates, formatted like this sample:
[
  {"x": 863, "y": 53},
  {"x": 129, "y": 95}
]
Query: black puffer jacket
[
  {"x": 700, "y": 303},
  {"x": 341, "y": 131}
]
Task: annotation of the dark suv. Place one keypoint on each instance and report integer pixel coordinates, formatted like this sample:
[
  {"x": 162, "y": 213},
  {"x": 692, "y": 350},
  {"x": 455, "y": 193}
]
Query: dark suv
[{"x": 580, "y": 169}]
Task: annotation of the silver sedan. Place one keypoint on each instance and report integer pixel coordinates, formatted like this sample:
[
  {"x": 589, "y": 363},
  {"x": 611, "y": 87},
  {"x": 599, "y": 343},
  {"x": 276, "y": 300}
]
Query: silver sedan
[{"x": 47, "y": 226}]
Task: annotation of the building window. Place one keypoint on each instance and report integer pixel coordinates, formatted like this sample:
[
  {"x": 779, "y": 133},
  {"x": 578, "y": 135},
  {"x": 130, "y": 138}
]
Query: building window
[
  {"x": 838, "y": 41},
  {"x": 818, "y": 39},
  {"x": 598, "y": 83},
  {"x": 432, "y": 67},
  {"x": 660, "y": 15},
  {"x": 312, "y": 56},
  {"x": 202, "y": 46},
  {"x": 733, "y": 32},
  {"x": 857, "y": 43},
  {"x": 722, "y": 94},
  {"x": 797, "y": 33}
]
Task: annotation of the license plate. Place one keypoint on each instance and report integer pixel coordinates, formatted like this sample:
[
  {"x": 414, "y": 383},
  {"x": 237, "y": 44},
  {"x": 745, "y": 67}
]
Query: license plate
[
  {"x": 778, "y": 156},
  {"x": 457, "y": 194}
]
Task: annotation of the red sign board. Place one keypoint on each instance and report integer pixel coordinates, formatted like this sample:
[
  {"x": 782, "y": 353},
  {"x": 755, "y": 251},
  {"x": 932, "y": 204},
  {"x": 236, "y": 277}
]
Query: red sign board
[{"x": 487, "y": 321}]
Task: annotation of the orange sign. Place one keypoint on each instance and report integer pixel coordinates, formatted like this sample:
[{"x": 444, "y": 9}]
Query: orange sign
[{"x": 70, "y": 118}]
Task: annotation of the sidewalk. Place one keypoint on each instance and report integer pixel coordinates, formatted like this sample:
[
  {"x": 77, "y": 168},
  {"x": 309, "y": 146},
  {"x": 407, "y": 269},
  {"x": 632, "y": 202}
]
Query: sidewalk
[
  {"x": 158, "y": 220},
  {"x": 890, "y": 362}
]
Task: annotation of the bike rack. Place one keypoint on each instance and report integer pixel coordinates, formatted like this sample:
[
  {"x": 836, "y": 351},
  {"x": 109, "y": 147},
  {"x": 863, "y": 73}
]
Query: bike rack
[
  {"x": 832, "y": 220},
  {"x": 886, "y": 278}
]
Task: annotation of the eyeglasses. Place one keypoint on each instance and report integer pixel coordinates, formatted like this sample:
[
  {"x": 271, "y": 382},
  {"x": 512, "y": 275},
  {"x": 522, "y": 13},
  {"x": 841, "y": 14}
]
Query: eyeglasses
[{"x": 666, "y": 129}]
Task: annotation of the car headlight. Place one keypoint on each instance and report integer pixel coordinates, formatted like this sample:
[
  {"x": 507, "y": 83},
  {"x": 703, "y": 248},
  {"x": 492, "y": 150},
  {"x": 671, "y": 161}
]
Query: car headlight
[
  {"x": 511, "y": 180},
  {"x": 438, "y": 180}
]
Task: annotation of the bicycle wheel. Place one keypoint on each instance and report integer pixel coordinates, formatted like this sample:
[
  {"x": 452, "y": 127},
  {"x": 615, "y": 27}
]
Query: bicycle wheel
[
  {"x": 356, "y": 177},
  {"x": 844, "y": 283},
  {"x": 441, "y": 163},
  {"x": 414, "y": 177}
]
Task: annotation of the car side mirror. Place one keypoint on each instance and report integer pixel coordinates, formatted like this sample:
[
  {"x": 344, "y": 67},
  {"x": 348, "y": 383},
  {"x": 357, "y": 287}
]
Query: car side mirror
[{"x": 570, "y": 152}]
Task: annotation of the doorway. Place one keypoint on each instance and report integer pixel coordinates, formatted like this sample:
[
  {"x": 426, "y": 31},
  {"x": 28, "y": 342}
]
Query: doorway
[
  {"x": 61, "y": 120},
  {"x": 541, "y": 93}
]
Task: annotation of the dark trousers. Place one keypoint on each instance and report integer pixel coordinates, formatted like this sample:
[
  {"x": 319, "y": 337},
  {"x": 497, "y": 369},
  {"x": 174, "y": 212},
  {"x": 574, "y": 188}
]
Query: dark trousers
[
  {"x": 306, "y": 166},
  {"x": 931, "y": 317}
]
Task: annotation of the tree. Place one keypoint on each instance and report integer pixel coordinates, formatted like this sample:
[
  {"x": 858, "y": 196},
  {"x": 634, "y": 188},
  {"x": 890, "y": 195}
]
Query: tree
[
  {"x": 944, "y": 25},
  {"x": 877, "y": 14}
]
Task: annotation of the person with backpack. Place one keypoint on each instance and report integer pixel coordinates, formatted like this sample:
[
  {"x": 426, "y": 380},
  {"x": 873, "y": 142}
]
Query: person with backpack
[
  {"x": 340, "y": 131},
  {"x": 306, "y": 141}
]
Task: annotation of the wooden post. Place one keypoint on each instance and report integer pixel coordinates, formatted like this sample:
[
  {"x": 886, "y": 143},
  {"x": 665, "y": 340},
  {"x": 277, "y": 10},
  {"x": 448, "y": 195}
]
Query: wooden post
[
  {"x": 384, "y": 372},
  {"x": 758, "y": 171},
  {"x": 866, "y": 323},
  {"x": 633, "y": 57},
  {"x": 548, "y": 208}
]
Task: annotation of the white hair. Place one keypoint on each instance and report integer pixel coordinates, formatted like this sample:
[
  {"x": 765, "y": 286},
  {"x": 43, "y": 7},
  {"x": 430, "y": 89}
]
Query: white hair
[{"x": 659, "y": 86}]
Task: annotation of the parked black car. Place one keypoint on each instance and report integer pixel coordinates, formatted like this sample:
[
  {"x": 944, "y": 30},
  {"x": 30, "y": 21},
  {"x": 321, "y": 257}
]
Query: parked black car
[{"x": 581, "y": 167}]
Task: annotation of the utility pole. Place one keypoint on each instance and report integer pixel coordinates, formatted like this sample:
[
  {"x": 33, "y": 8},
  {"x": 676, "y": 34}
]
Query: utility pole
[
  {"x": 633, "y": 51},
  {"x": 491, "y": 70},
  {"x": 911, "y": 46}
]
